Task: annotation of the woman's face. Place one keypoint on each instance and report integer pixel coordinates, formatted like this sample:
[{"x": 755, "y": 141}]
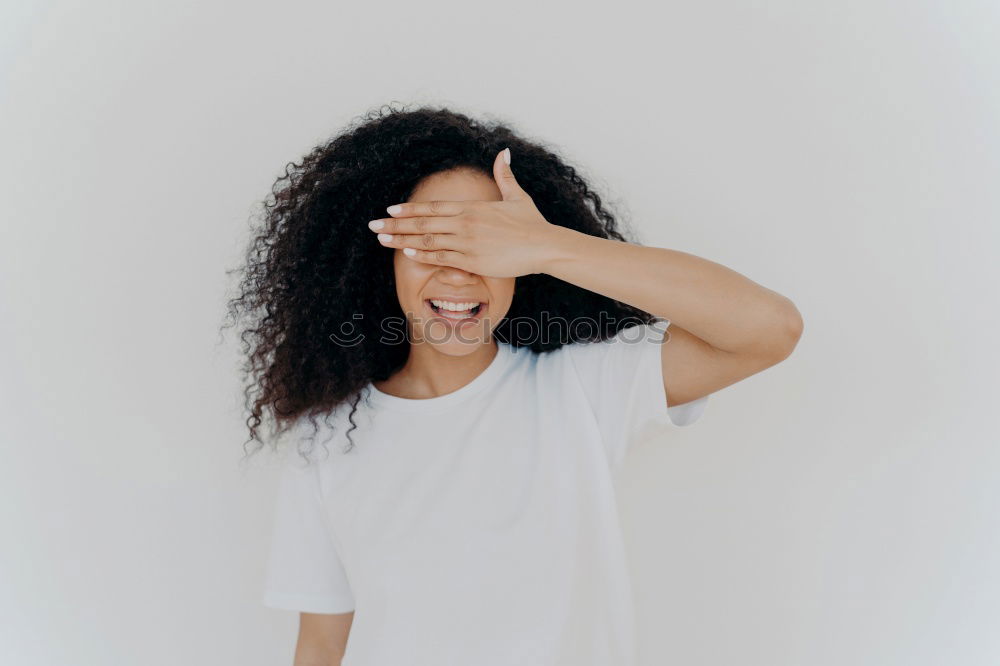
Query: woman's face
[{"x": 417, "y": 283}]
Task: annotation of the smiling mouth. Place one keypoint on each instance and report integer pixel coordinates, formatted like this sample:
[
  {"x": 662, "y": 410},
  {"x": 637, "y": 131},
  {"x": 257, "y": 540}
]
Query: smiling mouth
[{"x": 456, "y": 315}]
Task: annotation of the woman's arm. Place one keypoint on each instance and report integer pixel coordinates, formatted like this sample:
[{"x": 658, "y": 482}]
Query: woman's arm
[
  {"x": 723, "y": 326},
  {"x": 322, "y": 638}
]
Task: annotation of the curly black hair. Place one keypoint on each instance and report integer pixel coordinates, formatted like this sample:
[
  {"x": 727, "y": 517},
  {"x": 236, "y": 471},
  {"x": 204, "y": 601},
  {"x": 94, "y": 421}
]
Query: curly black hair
[{"x": 312, "y": 263}]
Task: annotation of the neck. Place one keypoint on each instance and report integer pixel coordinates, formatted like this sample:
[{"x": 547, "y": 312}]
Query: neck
[{"x": 430, "y": 373}]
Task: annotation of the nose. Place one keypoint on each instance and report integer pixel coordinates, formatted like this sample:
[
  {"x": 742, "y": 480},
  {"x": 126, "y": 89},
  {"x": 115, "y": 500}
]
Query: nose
[{"x": 456, "y": 276}]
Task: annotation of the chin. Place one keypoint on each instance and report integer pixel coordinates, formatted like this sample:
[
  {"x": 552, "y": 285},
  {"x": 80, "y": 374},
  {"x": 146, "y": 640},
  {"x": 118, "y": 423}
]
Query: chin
[{"x": 454, "y": 343}]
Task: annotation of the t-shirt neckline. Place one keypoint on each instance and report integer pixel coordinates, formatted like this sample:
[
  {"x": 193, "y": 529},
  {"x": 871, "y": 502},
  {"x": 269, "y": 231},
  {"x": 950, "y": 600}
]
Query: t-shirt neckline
[{"x": 483, "y": 380}]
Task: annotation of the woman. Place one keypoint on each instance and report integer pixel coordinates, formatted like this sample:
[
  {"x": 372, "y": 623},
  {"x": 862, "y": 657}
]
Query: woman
[{"x": 487, "y": 349}]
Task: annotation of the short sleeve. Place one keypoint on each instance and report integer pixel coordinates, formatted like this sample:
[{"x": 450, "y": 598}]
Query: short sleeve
[
  {"x": 623, "y": 380},
  {"x": 304, "y": 571}
]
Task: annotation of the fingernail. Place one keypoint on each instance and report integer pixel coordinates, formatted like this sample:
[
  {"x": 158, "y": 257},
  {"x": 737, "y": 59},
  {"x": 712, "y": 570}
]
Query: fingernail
[
  {"x": 506, "y": 155},
  {"x": 385, "y": 238},
  {"x": 375, "y": 225},
  {"x": 392, "y": 210},
  {"x": 409, "y": 251}
]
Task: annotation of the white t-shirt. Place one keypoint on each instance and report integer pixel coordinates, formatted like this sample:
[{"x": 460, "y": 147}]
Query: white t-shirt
[{"x": 478, "y": 527}]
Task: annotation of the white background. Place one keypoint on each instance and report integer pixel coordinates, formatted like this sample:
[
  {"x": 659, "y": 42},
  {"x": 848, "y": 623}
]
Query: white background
[{"x": 839, "y": 508}]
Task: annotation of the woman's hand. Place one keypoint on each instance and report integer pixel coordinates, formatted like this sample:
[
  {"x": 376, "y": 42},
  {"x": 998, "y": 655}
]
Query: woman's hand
[{"x": 507, "y": 238}]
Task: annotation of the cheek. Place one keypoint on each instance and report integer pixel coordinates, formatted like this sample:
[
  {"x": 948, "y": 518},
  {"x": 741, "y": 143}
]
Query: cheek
[
  {"x": 502, "y": 291},
  {"x": 411, "y": 276},
  {"x": 404, "y": 277},
  {"x": 407, "y": 270},
  {"x": 505, "y": 289}
]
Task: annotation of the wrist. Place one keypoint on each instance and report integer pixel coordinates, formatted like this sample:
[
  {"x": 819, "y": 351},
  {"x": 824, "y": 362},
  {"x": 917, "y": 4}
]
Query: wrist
[{"x": 557, "y": 246}]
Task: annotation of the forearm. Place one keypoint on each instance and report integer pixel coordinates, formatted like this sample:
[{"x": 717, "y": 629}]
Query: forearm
[{"x": 722, "y": 307}]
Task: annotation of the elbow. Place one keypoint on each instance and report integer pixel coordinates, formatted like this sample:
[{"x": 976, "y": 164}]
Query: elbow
[
  {"x": 781, "y": 336},
  {"x": 790, "y": 331}
]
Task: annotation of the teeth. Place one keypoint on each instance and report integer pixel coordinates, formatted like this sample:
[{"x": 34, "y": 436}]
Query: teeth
[{"x": 450, "y": 305}]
